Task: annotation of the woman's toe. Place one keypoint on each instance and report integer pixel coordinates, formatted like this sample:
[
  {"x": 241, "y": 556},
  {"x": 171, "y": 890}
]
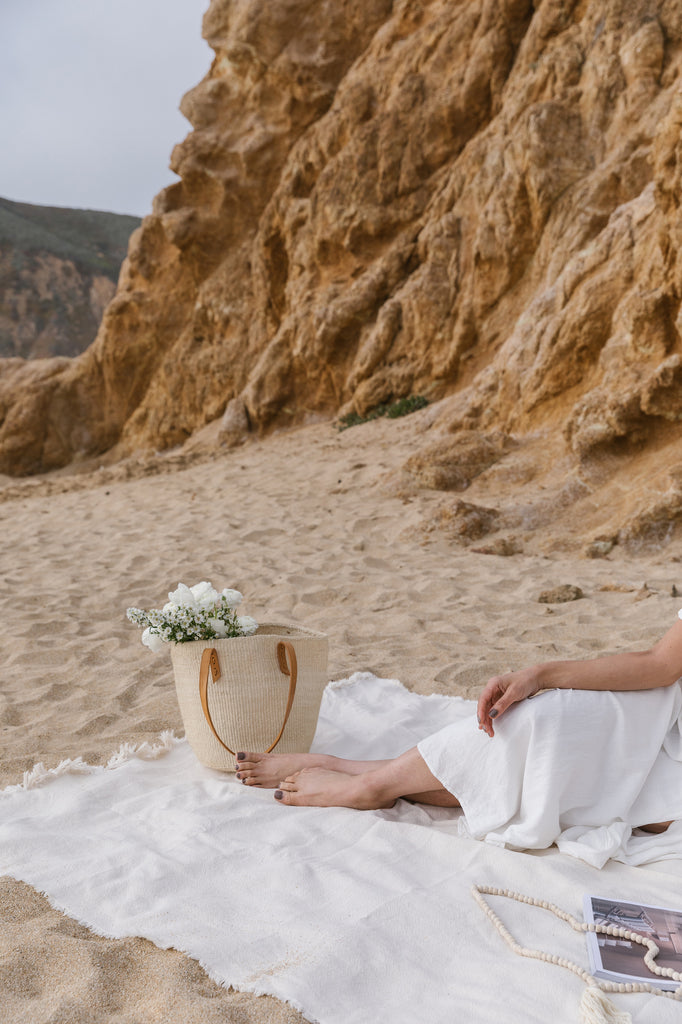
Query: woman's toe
[{"x": 284, "y": 796}]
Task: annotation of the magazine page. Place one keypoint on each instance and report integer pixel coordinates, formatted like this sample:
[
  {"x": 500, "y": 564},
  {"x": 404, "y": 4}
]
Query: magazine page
[{"x": 621, "y": 960}]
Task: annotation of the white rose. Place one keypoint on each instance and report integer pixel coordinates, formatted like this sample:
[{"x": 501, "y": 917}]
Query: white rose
[
  {"x": 182, "y": 597},
  {"x": 218, "y": 626},
  {"x": 204, "y": 595},
  {"x": 152, "y": 641},
  {"x": 247, "y": 624},
  {"x": 233, "y": 597}
]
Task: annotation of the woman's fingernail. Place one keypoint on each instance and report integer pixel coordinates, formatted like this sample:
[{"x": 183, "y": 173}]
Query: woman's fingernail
[
  {"x": 493, "y": 713},
  {"x": 240, "y": 757},
  {"x": 278, "y": 794}
]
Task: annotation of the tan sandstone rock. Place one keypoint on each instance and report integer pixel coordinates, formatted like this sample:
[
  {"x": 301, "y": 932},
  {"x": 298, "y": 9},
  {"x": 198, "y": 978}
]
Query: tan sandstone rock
[
  {"x": 234, "y": 425},
  {"x": 464, "y": 521},
  {"x": 453, "y": 462},
  {"x": 479, "y": 202},
  {"x": 561, "y": 594}
]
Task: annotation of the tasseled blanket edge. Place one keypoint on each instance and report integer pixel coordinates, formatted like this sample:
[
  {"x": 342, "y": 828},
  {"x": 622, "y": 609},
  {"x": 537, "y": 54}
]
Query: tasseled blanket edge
[{"x": 39, "y": 775}]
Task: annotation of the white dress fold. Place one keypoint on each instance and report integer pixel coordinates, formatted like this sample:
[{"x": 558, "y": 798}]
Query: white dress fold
[{"x": 566, "y": 767}]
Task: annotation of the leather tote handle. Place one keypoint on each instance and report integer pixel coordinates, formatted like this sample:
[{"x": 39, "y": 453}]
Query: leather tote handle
[{"x": 209, "y": 661}]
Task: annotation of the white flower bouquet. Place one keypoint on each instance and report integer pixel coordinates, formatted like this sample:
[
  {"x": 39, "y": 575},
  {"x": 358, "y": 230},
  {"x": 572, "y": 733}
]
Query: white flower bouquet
[{"x": 193, "y": 613}]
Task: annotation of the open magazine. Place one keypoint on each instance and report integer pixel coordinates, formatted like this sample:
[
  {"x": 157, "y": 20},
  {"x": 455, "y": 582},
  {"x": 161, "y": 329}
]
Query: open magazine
[{"x": 621, "y": 961}]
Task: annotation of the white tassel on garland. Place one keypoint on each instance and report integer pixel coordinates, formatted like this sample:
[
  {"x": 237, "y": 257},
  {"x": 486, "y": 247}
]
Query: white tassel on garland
[{"x": 595, "y": 1006}]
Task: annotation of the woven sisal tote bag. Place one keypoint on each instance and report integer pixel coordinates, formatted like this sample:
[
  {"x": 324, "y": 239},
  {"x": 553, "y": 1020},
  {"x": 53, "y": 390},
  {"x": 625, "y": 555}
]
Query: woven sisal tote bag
[{"x": 250, "y": 693}]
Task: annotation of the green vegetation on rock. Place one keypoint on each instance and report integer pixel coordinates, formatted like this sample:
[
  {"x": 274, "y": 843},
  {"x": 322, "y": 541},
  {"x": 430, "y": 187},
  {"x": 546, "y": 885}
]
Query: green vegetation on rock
[{"x": 392, "y": 410}]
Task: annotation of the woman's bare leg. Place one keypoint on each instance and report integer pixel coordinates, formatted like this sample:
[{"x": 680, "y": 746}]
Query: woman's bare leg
[
  {"x": 407, "y": 775},
  {"x": 434, "y": 797},
  {"x": 267, "y": 770},
  {"x": 657, "y": 826}
]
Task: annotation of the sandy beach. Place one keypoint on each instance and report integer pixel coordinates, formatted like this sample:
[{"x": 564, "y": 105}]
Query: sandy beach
[{"x": 310, "y": 526}]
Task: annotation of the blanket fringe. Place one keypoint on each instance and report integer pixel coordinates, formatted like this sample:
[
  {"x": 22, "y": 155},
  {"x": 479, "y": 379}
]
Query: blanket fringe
[
  {"x": 353, "y": 680},
  {"x": 39, "y": 775},
  {"x": 367, "y": 678}
]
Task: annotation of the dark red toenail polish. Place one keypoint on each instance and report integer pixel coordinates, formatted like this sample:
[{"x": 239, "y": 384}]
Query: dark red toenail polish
[
  {"x": 278, "y": 794},
  {"x": 243, "y": 782},
  {"x": 240, "y": 757},
  {"x": 238, "y": 775}
]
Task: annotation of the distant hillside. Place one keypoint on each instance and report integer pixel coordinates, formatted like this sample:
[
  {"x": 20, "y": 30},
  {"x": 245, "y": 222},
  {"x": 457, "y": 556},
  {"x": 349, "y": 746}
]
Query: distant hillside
[{"x": 58, "y": 271}]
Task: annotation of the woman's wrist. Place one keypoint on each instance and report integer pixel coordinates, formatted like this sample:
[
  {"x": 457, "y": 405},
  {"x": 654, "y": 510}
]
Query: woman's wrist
[{"x": 544, "y": 676}]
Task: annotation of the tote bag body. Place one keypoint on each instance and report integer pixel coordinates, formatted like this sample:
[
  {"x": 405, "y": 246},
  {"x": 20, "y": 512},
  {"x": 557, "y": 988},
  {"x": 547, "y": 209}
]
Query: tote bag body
[{"x": 247, "y": 703}]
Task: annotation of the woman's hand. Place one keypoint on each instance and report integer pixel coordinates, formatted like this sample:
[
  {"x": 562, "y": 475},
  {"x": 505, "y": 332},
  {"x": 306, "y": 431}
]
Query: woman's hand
[
  {"x": 502, "y": 691},
  {"x": 661, "y": 665}
]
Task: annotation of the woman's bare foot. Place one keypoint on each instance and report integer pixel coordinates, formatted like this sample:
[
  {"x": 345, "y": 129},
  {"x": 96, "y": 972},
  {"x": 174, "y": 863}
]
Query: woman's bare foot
[
  {"x": 266, "y": 770},
  {"x": 320, "y": 787}
]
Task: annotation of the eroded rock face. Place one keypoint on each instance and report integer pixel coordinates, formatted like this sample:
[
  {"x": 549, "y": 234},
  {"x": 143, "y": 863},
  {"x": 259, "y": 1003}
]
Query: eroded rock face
[{"x": 477, "y": 201}]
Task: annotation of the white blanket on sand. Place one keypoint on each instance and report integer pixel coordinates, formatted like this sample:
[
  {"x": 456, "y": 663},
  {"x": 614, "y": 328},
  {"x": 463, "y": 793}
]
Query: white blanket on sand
[{"x": 350, "y": 916}]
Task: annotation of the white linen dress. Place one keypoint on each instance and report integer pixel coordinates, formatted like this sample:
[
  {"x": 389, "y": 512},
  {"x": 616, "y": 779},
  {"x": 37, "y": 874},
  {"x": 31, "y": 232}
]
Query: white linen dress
[{"x": 580, "y": 768}]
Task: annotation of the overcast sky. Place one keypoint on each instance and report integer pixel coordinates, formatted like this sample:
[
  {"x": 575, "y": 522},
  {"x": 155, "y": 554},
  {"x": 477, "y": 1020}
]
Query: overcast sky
[{"x": 89, "y": 94}]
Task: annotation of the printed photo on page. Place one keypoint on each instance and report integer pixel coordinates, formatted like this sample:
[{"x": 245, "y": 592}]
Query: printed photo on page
[{"x": 622, "y": 960}]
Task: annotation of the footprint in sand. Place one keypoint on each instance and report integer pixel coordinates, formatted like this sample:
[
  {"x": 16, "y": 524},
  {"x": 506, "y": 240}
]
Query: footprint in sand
[{"x": 96, "y": 725}]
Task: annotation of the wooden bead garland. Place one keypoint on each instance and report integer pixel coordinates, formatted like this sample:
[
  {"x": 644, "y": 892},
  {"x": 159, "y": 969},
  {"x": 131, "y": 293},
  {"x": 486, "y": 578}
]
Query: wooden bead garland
[{"x": 605, "y": 1011}]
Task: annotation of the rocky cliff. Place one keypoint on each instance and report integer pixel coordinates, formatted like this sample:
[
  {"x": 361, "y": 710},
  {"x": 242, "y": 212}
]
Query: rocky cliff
[
  {"x": 478, "y": 201},
  {"x": 58, "y": 272}
]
